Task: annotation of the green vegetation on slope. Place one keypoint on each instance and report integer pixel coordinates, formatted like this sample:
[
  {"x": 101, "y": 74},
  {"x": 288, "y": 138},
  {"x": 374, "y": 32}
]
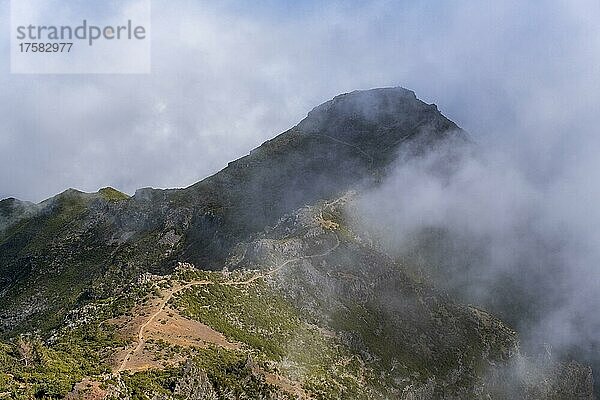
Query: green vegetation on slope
[
  {"x": 274, "y": 331},
  {"x": 113, "y": 195},
  {"x": 30, "y": 368},
  {"x": 211, "y": 371}
]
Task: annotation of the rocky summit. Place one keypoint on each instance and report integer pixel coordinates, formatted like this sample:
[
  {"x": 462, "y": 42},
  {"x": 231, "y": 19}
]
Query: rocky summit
[{"x": 254, "y": 283}]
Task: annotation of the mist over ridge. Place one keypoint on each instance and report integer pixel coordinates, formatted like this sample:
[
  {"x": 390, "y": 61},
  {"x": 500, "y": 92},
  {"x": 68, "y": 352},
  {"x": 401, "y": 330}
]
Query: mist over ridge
[{"x": 481, "y": 226}]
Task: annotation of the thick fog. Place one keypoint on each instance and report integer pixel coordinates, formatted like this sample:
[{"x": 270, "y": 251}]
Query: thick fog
[{"x": 477, "y": 224}]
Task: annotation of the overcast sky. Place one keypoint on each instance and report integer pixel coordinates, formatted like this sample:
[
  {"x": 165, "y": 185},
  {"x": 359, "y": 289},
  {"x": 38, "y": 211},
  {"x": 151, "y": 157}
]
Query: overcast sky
[{"x": 519, "y": 76}]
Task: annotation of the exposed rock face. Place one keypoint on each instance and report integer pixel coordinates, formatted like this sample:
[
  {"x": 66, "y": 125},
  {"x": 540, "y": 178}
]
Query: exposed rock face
[
  {"x": 194, "y": 384},
  {"x": 537, "y": 379},
  {"x": 12, "y": 211}
]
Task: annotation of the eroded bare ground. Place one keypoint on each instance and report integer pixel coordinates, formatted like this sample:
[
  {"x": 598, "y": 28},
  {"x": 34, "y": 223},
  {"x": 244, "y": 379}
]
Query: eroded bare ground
[
  {"x": 167, "y": 326},
  {"x": 153, "y": 324},
  {"x": 87, "y": 389}
]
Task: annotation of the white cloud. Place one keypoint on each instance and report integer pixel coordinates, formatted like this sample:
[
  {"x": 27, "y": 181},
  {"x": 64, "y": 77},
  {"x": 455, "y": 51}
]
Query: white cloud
[{"x": 227, "y": 78}]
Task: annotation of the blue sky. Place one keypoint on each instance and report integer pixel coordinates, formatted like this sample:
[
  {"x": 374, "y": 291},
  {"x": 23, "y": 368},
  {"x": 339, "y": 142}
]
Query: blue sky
[{"x": 229, "y": 75}]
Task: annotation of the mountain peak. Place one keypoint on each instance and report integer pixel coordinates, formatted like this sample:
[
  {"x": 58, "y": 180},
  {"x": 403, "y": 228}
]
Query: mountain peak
[
  {"x": 360, "y": 111},
  {"x": 343, "y": 144}
]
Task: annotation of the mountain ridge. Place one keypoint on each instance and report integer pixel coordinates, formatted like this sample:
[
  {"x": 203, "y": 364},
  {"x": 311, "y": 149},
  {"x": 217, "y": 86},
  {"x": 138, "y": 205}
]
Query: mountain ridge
[
  {"x": 304, "y": 126},
  {"x": 273, "y": 225}
]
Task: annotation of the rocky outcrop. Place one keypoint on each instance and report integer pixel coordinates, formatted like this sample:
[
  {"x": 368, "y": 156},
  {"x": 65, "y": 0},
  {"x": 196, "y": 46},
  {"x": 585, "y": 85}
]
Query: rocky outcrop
[
  {"x": 12, "y": 211},
  {"x": 194, "y": 384}
]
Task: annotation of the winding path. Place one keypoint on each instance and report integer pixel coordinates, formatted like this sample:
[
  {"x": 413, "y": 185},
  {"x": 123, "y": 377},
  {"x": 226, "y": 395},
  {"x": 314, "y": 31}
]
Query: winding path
[
  {"x": 282, "y": 265},
  {"x": 140, "y": 337},
  {"x": 141, "y": 341}
]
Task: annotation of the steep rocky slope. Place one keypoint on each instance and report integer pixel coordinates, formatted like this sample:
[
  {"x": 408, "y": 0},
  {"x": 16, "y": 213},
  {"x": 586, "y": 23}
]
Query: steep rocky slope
[
  {"x": 419, "y": 343},
  {"x": 99, "y": 291},
  {"x": 79, "y": 237}
]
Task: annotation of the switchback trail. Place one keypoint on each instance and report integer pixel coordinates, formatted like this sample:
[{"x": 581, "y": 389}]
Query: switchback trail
[{"x": 172, "y": 291}]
